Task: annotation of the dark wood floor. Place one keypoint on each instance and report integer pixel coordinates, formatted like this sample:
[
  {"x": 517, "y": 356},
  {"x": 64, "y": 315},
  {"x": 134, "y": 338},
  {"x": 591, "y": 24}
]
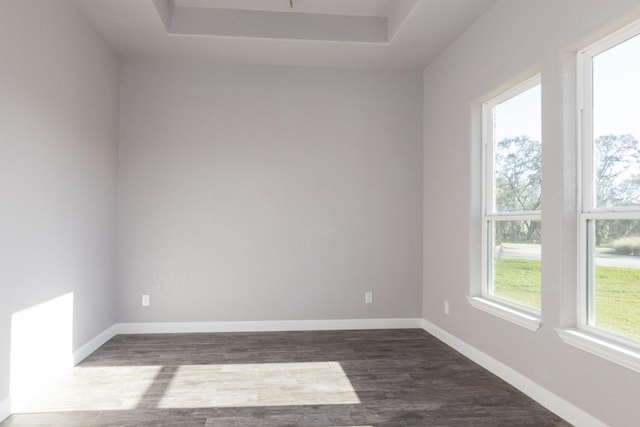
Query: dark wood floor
[{"x": 328, "y": 378}]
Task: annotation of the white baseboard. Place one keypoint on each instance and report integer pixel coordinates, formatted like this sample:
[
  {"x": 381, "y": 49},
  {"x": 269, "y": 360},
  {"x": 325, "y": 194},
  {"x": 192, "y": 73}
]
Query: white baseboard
[
  {"x": 266, "y": 326},
  {"x": 5, "y": 409},
  {"x": 80, "y": 354},
  {"x": 549, "y": 400}
]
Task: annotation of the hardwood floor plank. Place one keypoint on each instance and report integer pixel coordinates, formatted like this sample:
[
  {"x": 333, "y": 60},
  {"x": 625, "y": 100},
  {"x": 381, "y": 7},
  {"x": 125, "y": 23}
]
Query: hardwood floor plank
[{"x": 317, "y": 379}]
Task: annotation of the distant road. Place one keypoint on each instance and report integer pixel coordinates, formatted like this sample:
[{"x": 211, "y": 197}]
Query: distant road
[{"x": 604, "y": 256}]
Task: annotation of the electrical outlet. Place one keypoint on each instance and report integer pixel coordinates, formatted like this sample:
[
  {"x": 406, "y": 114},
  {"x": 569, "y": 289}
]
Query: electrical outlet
[
  {"x": 145, "y": 300},
  {"x": 446, "y": 307},
  {"x": 368, "y": 297}
]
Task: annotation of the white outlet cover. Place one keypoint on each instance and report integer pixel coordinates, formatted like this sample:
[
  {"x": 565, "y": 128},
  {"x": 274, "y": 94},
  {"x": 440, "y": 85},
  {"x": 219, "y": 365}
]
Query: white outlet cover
[{"x": 145, "y": 300}]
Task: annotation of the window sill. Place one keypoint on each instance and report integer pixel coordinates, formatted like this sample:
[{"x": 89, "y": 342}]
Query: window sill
[
  {"x": 601, "y": 347},
  {"x": 513, "y": 315}
]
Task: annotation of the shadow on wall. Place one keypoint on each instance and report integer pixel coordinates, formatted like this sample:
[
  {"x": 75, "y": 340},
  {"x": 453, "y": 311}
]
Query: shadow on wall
[{"x": 41, "y": 347}]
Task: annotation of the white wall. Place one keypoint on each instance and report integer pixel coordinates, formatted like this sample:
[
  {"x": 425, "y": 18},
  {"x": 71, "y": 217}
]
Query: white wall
[
  {"x": 58, "y": 160},
  {"x": 268, "y": 193},
  {"x": 511, "y": 39}
]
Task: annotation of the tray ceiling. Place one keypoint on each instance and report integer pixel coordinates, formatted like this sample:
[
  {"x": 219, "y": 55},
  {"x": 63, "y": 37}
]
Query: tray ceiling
[{"x": 375, "y": 34}]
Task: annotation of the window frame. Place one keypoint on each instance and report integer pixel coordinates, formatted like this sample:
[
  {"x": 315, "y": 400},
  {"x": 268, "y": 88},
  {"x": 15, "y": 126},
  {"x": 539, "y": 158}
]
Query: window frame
[
  {"x": 520, "y": 314},
  {"x": 598, "y": 341},
  {"x": 589, "y": 211}
]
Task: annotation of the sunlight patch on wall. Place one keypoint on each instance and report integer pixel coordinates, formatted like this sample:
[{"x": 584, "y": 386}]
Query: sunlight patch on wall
[
  {"x": 41, "y": 347},
  {"x": 267, "y": 384}
]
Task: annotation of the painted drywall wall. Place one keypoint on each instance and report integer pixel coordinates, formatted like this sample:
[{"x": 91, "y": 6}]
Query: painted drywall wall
[
  {"x": 58, "y": 166},
  {"x": 268, "y": 193},
  {"x": 513, "y": 38}
]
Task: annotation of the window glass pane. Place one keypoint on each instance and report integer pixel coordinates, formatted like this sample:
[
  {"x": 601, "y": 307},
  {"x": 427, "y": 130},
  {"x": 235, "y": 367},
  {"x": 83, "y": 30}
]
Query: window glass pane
[
  {"x": 515, "y": 265},
  {"x": 517, "y": 153},
  {"x": 616, "y": 125},
  {"x": 614, "y": 294}
]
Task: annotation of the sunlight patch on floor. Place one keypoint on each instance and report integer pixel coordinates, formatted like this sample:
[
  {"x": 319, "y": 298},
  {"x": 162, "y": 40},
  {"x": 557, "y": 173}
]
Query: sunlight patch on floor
[
  {"x": 110, "y": 388},
  {"x": 266, "y": 384}
]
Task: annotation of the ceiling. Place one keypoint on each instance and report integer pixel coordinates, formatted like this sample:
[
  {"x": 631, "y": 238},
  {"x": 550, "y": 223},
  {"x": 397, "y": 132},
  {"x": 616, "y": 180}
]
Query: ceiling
[{"x": 376, "y": 34}]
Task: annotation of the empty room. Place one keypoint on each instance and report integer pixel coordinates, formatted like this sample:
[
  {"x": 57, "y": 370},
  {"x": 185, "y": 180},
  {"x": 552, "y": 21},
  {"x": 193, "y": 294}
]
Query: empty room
[{"x": 320, "y": 212}]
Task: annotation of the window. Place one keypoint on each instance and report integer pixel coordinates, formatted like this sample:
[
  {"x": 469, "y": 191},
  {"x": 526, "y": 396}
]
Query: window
[
  {"x": 512, "y": 201},
  {"x": 609, "y": 76}
]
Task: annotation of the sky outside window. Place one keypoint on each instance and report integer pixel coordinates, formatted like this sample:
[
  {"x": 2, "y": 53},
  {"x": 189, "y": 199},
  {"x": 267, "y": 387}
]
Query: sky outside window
[
  {"x": 616, "y": 90},
  {"x": 519, "y": 116}
]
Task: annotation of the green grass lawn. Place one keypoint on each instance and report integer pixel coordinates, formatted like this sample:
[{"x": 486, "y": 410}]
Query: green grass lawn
[
  {"x": 617, "y": 292},
  {"x": 618, "y": 300},
  {"x": 518, "y": 280}
]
